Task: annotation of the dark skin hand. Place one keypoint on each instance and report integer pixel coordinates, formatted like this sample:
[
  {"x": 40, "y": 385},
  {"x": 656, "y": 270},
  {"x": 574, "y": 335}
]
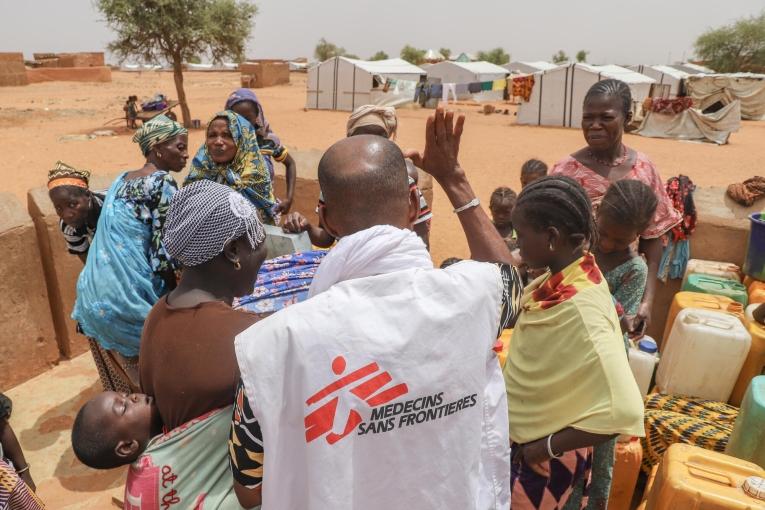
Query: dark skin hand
[
  {"x": 535, "y": 454},
  {"x": 296, "y": 223},
  {"x": 603, "y": 124},
  {"x": 12, "y": 450}
]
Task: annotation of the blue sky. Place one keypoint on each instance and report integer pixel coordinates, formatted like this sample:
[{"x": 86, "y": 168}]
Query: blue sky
[{"x": 614, "y": 31}]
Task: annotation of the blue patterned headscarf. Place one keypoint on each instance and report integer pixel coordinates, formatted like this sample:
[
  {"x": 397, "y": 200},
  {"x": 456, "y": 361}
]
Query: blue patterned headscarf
[
  {"x": 159, "y": 129},
  {"x": 246, "y": 173}
]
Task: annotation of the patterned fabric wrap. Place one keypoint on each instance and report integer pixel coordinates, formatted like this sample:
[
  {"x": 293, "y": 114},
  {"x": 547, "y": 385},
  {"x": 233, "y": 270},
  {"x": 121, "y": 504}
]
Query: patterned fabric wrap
[
  {"x": 671, "y": 419},
  {"x": 522, "y": 87},
  {"x": 14, "y": 493},
  {"x": 670, "y": 106},
  {"x": 203, "y": 217},
  {"x": 373, "y": 115},
  {"x": 68, "y": 175},
  {"x": 159, "y": 129},
  {"x": 186, "y": 467},
  {"x": 531, "y": 491},
  {"x": 565, "y": 284},
  {"x": 247, "y": 173},
  {"x": 282, "y": 282}
]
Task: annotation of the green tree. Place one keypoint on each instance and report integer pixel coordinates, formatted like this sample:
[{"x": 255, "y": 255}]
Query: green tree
[
  {"x": 325, "y": 50},
  {"x": 739, "y": 46},
  {"x": 177, "y": 31},
  {"x": 413, "y": 55},
  {"x": 581, "y": 55},
  {"x": 496, "y": 56},
  {"x": 446, "y": 52},
  {"x": 380, "y": 55},
  {"x": 560, "y": 57}
]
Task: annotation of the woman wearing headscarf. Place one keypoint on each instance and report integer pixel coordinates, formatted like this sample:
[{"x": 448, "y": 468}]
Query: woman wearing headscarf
[
  {"x": 245, "y": 103},
  {"x": 230, "y": 156},
  {"x": 129, "y": 269},
  {"x": 187, "y": 350}
]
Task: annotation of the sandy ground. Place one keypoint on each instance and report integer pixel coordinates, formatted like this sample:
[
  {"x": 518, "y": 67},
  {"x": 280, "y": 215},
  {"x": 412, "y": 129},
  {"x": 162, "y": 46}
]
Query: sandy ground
[{"x": 35, "y": 118}]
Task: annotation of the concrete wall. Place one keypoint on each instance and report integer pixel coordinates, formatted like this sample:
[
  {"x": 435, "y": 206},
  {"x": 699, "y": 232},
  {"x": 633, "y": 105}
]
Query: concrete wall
[
  {"x": 60, "y": 268},
  {"x": 265, "y": 73},
  {"x": 12, "y": 70},
  {"x": 722, "y": 234},
  {"x": 81, "y": 74},
  {"x": 27, "y": 338}
]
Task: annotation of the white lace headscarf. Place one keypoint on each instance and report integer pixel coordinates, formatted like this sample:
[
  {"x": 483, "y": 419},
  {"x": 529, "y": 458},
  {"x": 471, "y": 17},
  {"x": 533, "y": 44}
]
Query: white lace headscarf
[{"x": 203, "y": 217}]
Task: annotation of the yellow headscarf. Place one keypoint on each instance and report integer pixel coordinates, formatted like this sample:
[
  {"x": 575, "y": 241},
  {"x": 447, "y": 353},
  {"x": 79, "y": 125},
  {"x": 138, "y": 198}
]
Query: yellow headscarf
[{"x": 567, "y": 366}]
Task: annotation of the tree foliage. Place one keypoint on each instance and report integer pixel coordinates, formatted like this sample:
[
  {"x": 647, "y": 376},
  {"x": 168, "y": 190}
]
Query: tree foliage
[
  {"x": 739, "y": 46},
  {"x": 380, "y": 55},
  {"x": 496, "y": 56},
  {"x": 581, "y": 55},
  {"x": 325, "y": 50},
  {"x": 446, "y": 52},
  {"x": 178, "y": 31},
  {"x": 413, "y": 55},
  {"x": 560, "y": 57}
]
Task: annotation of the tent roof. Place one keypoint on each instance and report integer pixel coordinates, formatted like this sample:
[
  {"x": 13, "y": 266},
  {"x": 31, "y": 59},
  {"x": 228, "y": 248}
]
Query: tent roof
[
  {"x": 538, "y": 64},
  {"x": 481, "y": 67},
  {"x": 618, "y": 72},
  {"x": 678, "y": 74},
  {"x": 433, "y": 55},
  {"x": 691, "y": 68},
  {"x": 390, "y": 66}
]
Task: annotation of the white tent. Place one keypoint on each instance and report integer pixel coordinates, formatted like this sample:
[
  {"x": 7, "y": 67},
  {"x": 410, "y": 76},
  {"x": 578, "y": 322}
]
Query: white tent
[
  {"x": 709, "y": 89},
  {"x": 518, "y": 67},
  {"x": 342, "y": 83},
  {"x": 691, "y": 68},
  {"x": 691, "y": 124},
  {"x": 664, "y": 75},
  {"x": 558, "y": 94},
  {"x": 432, "y": 56},
  {"x": 469, "y": 72}
]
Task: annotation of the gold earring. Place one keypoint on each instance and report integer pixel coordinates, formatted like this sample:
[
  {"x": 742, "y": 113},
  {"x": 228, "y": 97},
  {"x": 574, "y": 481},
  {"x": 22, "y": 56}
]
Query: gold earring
[
  {"x": 237, "y": 265},
  {"x": 551, "y": 246},
  {"x": 159, "y": 155}
]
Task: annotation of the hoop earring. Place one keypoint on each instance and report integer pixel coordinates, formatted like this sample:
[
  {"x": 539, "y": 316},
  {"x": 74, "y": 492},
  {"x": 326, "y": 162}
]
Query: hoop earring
[
  {"x": 551, "y": 247},
  {"x": 237, "y": 265},
  {"x": 159, "y": 155}
]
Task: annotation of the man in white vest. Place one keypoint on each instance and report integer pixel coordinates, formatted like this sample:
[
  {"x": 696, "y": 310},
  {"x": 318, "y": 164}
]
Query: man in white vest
[{"x": 382, "y": 390}]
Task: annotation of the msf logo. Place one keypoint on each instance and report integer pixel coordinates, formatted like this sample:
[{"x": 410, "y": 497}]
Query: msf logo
[{"x": 366, "y": 383}]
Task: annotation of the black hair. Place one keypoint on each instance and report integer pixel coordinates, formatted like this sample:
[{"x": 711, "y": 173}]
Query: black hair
[
  {"x": 613, "y": 88},
  {"x": 502, "y": 194},
  {"x": 449, "y": 262},
  {"x": 630, "y": 203},
  {"x": 560, "y": 202},
  {"x": 91, "y": 444},
  {"x": 534, "y": 167}
]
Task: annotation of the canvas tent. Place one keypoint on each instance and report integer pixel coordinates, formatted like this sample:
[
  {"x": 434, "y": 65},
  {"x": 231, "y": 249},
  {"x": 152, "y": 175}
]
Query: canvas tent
[
  {"x": 709, "y": 89},
  {"x": 690, "y": 68},
  {"x": 558, "y": 94},
  {"x": 692, "y": 124},
  {"x": 342, "y": 83},
  {"x": 664, "y": 75},
  {"x": 432, "y": 56},
  {"x": 518, "y": 67},
  {"x": 469, "y": 72},
  {"x": 464, "y": 57}
]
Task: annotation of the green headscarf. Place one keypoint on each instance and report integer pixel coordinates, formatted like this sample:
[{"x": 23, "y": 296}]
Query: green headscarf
[{"x": 159, "y": 129}]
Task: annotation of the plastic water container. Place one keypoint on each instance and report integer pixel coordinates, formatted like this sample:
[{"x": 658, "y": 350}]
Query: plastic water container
[
  {"x": 683, "y": 300},
  {"x": 627, "y": 461},
  {"x": 754, "y": 364},
  {"x": 643, "y": 359},
  {"x": 703, "y": 355},
  {"x": 726, "y": 270},
  {"x": 693, "y": 478},
  {"x": 756, "y": 292},
  {"x": 748, "y": 438},
  {"x": 754, "y": 265},
  {"x": 718, "y": 286}
]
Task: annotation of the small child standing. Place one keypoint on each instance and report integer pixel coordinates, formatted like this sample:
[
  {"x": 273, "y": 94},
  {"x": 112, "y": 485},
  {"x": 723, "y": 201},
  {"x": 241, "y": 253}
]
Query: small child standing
[
  {"x": 532, "y": 170},
  {"x": 501, "y": 207},
  {"x": 625, "y": 212},
  {"x": 131, "y": 111}
]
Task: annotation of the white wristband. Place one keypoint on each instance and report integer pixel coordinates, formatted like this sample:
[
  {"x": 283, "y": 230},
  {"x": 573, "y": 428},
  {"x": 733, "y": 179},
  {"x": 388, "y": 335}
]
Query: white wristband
[
  {"x": 549, "y": 448},
  {"x": 473, "y": 203}
]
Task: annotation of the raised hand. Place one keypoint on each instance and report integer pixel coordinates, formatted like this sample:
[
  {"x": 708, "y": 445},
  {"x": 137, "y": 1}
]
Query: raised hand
[{"x": 442, "y": 146}]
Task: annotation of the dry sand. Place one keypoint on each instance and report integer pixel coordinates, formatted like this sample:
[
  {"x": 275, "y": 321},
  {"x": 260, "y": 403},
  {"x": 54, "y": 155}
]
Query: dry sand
[{"x": 33, "y": 119}]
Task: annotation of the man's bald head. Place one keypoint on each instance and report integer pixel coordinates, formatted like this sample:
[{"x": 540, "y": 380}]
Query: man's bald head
[{"x": 364, "y": 182}]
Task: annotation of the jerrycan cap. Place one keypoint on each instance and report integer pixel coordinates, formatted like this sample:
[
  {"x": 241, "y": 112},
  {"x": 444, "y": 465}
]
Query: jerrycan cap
[
  {"x": 648, "y": 345},
  {"x": 754, "y": 486}
]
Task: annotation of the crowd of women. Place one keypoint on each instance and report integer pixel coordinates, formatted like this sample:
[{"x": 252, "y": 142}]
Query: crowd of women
[{"x": 576, "y": 254}]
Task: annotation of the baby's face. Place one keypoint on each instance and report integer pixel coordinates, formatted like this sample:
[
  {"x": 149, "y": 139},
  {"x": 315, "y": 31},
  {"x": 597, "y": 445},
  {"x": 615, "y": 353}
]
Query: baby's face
[{"x": 128, "y": 416}]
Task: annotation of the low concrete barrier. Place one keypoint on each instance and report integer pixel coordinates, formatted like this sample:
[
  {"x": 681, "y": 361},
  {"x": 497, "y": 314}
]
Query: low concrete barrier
[
  {"x": 27, "y": 341},
  {"x": 80, "y": 74}
]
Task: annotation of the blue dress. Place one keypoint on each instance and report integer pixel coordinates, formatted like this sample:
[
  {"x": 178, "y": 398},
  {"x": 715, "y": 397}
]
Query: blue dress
[{"x": 121, "y": 280}]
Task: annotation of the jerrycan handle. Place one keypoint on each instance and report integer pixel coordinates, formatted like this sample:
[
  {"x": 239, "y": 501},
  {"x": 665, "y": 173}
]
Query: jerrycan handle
[
  {"x": 705, "y": 473},
  {"x": 713, "y": 323}
]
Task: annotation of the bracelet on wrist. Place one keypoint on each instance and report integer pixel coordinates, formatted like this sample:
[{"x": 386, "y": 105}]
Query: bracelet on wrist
[
  {"x": 473, "y": 203},
  {"x": 549, "y": 448},
  {"x": 22, "y": 470}
]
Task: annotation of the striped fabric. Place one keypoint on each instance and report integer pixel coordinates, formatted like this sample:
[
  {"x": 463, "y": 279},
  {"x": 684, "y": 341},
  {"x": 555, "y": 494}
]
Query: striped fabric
[
  {"x": 671, "y": 419},
  {"x": 14, "y": 493}
]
